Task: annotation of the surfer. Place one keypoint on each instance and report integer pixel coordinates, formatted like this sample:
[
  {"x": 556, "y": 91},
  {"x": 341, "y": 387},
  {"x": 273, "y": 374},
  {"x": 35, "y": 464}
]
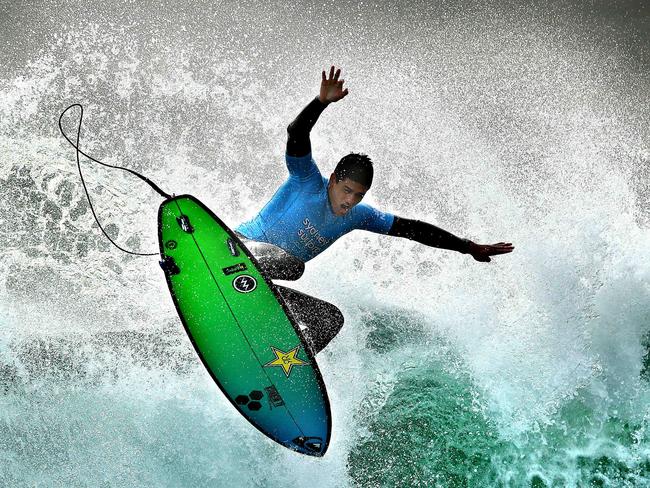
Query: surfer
[{"x": 309, "y": 212}]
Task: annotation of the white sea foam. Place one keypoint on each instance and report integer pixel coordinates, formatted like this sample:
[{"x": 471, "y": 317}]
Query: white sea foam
[{"x": 520, "y": 127}]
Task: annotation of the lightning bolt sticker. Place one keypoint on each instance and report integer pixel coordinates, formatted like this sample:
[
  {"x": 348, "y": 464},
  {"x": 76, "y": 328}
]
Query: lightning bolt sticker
[{"x": 244, "y": 283}]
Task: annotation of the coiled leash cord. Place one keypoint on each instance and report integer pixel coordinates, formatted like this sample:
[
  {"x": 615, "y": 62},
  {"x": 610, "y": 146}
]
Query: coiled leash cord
[{"x": 79, "y": 151}]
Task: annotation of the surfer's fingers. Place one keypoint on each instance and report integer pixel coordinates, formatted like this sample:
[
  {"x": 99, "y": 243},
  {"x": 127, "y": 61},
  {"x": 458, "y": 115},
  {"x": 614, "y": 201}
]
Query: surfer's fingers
[
  {"x": 502, "y": 246},
  {"x": 337, "y": 74},
  {"x": 331, "y": 72},
  {"x": 323, "y": 77}
]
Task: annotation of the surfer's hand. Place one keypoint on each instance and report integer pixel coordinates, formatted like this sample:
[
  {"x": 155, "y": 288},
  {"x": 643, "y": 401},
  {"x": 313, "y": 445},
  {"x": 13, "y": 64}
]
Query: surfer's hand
[
  {"x": 482, "y": 252},
  {"x": 331, "y": 88}
]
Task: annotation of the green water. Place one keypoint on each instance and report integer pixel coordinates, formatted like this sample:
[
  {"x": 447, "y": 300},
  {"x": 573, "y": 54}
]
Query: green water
[
  {"x": 430, "y": 433},
  {"x": 434, "y": 430}
]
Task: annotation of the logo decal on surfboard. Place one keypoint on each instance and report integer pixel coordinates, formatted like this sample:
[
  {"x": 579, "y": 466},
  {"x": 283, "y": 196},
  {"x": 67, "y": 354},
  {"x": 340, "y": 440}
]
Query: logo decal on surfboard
[
  {"x": 275, "y": 400},
  {"x": 286, "y": 360},
  {"x": 244, "y": 283},
  {"x": 235, "y": 268}
]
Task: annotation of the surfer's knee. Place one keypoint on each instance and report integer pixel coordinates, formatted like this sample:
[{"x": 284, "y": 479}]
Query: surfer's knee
[
  {"x": 297, "y": 267},
  {"x": 337, "y": 319},
  {"x": 321, "y": 335},
  {"x": 334, "y": 321},
  {"x": 289, "y": 268}
]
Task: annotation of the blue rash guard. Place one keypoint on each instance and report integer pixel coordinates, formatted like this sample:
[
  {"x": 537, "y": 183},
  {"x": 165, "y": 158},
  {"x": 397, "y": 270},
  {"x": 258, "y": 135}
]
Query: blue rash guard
[{"x": 299, "y": 218}]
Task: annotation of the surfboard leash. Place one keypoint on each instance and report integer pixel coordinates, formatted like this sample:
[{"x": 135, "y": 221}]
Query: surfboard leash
[{"x": 78, "y": 151}]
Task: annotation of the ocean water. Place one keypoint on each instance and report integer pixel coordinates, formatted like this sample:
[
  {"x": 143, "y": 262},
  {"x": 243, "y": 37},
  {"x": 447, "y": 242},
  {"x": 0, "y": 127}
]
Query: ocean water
[{"x": 518, "y": 121}]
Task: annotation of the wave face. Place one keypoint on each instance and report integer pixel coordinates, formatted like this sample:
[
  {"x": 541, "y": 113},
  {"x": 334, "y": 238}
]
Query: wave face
[{"x": 522, "y": 123}]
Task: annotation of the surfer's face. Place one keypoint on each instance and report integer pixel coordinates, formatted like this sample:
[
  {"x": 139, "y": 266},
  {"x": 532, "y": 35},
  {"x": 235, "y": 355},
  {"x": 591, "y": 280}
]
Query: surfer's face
[{"x": 344, "y": 194}]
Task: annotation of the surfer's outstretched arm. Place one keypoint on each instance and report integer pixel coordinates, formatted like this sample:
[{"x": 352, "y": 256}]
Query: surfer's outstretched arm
[
  {"x": 433, "y": 236},
  {"x": 331, "y": 90}
]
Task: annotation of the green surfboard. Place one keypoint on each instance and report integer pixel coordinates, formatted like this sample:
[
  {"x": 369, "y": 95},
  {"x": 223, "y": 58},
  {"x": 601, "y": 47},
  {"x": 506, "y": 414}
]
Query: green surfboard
[{"x": 241, "y": 328}]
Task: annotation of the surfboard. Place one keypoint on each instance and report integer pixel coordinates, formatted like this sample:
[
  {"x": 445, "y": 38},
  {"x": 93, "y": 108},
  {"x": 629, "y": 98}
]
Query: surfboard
[{"x": 241, "y": 328}]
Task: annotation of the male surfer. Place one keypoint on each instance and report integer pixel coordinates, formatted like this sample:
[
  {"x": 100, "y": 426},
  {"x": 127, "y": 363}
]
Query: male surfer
[{"x": 309, "y": 212}]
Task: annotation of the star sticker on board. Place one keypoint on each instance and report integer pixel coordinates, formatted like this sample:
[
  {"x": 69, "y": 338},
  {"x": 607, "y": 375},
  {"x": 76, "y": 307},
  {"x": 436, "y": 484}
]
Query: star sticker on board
[{"x": 286, "y": 360}]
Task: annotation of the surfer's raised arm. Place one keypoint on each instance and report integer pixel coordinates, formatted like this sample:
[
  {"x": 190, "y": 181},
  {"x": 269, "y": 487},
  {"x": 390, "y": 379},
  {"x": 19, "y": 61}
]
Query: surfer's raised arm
[{"x": 331, "y": 90}]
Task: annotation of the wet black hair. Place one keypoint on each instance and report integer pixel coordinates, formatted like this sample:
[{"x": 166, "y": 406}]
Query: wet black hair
[{"x": 357, "y": 167}]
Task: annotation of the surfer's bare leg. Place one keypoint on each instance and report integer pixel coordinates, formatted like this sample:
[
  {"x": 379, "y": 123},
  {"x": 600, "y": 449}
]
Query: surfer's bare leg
[
  {"x": 321, "y": 319},
  {"x": 274, "y": 261}
]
